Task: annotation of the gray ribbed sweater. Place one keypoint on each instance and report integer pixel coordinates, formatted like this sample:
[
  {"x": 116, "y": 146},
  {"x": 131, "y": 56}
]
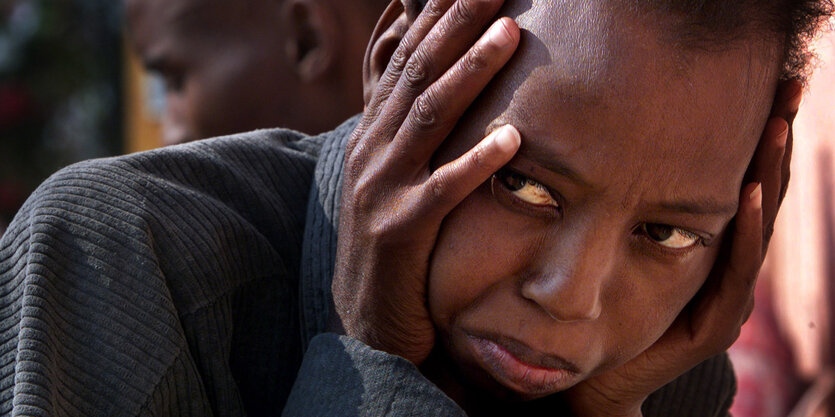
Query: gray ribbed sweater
[{"x": 189, "y": 281}]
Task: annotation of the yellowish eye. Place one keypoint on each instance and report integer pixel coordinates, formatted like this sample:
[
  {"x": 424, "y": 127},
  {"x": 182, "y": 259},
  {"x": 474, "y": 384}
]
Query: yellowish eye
[
  {"x": 670, "y": 236},
  {"x": 526, "y": 189}
]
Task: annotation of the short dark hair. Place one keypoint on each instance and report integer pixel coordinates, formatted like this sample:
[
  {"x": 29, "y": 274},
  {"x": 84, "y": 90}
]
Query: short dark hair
[
  {"x": 715, "y": 23},
  {"x": 700, "y": 23}
]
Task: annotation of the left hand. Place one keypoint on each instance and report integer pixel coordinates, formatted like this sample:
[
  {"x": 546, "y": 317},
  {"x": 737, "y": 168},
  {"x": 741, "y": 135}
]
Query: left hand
[{"x": 724, "y": 304}]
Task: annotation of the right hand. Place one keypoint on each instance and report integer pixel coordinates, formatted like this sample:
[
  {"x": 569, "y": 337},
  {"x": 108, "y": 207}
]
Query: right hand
[{"x": 393, "y": 202}]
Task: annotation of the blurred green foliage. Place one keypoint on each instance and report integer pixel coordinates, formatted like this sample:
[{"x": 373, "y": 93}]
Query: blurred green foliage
[{"x": 60, "y": 89}]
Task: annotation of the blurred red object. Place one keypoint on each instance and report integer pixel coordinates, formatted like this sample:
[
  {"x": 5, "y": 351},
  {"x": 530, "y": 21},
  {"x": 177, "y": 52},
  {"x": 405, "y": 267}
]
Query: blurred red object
[{"x": 16, "y": 105}]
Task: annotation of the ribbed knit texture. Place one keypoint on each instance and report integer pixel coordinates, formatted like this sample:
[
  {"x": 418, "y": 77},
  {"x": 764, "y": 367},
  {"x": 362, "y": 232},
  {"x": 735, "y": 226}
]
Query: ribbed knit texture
[
  {"x": 167, "y": 283},
  {"x": 157, "y": 283}
]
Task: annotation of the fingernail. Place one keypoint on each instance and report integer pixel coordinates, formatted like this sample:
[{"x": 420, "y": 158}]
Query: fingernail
[
  {"x": 499, "y": 34},
  {"x": 756, "y": 196},
  {"x": 507, "y": 139}
]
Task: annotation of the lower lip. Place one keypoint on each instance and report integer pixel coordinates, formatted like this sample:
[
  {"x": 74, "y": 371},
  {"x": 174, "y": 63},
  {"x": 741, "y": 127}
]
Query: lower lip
[{"x": 515, "y": 374}]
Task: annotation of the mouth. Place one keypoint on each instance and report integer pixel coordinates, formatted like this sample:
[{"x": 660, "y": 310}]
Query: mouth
[{"x": 519, "y": 367}]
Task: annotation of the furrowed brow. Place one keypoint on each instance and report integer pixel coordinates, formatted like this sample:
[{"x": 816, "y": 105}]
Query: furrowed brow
[
  {"x": 701, "y": 207},
  {"x": 554, "y": 163}
]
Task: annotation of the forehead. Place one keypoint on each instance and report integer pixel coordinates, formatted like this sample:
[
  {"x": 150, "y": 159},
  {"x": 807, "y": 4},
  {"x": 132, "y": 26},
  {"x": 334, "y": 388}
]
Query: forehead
[
  {"x": 600, "y": 84},
  {"x": 154, "y": 21}
]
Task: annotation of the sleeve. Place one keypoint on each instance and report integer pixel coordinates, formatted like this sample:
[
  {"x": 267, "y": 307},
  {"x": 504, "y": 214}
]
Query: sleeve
[
  {"x": 707, "y": 390},
  {"x": 341, "y": 376},
  {"x": 88, "y": 326},
  {"x": 156, "y": 284}
]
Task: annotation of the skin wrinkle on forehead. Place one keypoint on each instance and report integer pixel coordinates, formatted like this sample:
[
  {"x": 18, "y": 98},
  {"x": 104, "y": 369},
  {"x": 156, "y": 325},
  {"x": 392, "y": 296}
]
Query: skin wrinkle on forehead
[
  {"x": 565, "y": 83},
  {"x": 580, "y": 45}
]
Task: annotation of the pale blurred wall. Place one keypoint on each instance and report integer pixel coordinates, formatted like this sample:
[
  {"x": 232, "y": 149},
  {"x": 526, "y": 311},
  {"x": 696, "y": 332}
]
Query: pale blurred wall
[
  {"x": 801, "y": 256},
  {"x": 787, "y": 349}
]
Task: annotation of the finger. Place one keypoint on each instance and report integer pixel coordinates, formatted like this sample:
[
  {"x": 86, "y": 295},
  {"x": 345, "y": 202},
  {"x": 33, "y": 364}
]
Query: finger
[
  {"x": 357, "y": 150},
  {"x": 451, "y": 37},
  {"x": 786, "y": 105},
  {"x": 452, "y": 183},
  {"x": 787, "y": 100},
  {"x": 766, "y": 168},
  {"x": 437, "y": 110},
  {"x": 720, "y": 315},
  {"x": 432, "y": 13}
]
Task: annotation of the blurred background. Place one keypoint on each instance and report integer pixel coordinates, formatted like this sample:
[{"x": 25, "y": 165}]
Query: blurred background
[
  {"x": 71, "y": 89},
  {"x": 61, "y": 95}
]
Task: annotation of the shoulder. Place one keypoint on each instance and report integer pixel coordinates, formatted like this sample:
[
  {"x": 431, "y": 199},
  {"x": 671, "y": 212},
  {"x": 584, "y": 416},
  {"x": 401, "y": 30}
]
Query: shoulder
[
  {"x": 249, "y": 188},
  {"x": 706, "y": 390},
  {"x": 131, "y": 261}
]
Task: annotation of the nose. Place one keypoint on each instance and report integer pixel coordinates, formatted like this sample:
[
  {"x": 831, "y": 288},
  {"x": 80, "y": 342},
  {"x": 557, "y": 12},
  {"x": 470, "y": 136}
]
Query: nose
[{"x": 569, "y": 277}]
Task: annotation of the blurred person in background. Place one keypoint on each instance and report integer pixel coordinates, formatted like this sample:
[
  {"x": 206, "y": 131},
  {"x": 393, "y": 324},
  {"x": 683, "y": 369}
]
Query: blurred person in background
[{"x": 237, "y": 66}]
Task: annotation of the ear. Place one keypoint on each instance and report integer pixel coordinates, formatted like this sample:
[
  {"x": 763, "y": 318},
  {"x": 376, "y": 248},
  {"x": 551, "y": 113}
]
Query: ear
[
  {"x": 312, "y": 37},
  {"x": 391, "y": 28}
]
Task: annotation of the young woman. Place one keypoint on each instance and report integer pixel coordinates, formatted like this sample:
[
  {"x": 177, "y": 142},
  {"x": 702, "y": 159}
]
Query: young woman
[{"x": 594, "y": 255}]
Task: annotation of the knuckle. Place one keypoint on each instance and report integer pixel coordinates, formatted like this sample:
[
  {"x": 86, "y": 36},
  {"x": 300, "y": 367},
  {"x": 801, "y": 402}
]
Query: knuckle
[
  {"x": 479, "y": 159},
  {"x": 475, "y": 61},
  {"x": 400, "y": 57},
  {"x": 438, "y": 186},
  {"x": 424, "y": 114},
  {"x": 416, "y": 72},
  {"x": 464, "y": 12},
  {"x": 433, "y": 8},
  {"x": 365, "y": 194}
]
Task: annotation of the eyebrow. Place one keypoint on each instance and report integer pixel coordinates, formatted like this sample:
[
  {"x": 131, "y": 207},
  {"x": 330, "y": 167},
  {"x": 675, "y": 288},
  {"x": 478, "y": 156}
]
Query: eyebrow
[
  {"x": 700, "y": 207},
  {"x": 554, "y": 163},
  {"x": 558, "y": 164}
]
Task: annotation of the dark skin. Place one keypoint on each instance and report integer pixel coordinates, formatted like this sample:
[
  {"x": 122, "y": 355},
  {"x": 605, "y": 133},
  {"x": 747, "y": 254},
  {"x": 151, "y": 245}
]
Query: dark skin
[
  {"x": 620, "y": 244},
  {"x": 231, "y": 67}
]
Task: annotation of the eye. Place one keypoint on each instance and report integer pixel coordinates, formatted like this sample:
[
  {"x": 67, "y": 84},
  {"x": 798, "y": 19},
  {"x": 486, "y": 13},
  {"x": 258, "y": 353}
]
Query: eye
[
  {"x": 526, "y": 189},
  {"x": 174, "y": 82},
  {"x": 670, "y": 236}
]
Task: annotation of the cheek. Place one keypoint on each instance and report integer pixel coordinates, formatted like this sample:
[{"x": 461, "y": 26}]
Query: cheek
[
  {"x": 476, "y": 249},
  {"x": 645, "y": 304}
]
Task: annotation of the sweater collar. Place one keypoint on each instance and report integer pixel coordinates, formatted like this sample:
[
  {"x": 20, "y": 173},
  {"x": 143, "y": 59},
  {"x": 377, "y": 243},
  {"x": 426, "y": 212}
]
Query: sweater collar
[{"x": 321, "y": 224}]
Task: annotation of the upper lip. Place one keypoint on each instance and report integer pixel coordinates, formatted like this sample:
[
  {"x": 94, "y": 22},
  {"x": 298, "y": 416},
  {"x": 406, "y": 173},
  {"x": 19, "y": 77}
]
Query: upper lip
[{"x": 528, "y": 354}]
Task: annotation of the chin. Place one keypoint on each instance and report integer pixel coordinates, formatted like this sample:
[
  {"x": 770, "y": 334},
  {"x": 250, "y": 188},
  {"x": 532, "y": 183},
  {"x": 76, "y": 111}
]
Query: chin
[{"x": 504, "y": 371}]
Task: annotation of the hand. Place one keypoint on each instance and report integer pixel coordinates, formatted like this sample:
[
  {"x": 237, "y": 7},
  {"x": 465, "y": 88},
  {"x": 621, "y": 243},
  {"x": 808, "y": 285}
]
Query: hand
[
  {"x": 392, "y": 201},
  {"x": 714, "y": 320}
]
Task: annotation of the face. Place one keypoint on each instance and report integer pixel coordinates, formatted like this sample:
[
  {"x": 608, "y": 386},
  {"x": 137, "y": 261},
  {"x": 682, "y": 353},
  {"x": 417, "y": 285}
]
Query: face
[
  {"x": 227, "y": 68},
  {"x": 580, "y": 253},
  {"x": 218, "y": 77}
]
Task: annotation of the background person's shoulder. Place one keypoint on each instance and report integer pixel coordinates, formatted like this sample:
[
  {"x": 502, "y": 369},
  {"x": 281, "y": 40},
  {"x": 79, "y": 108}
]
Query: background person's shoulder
[{"x": 253, "y": 184}]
